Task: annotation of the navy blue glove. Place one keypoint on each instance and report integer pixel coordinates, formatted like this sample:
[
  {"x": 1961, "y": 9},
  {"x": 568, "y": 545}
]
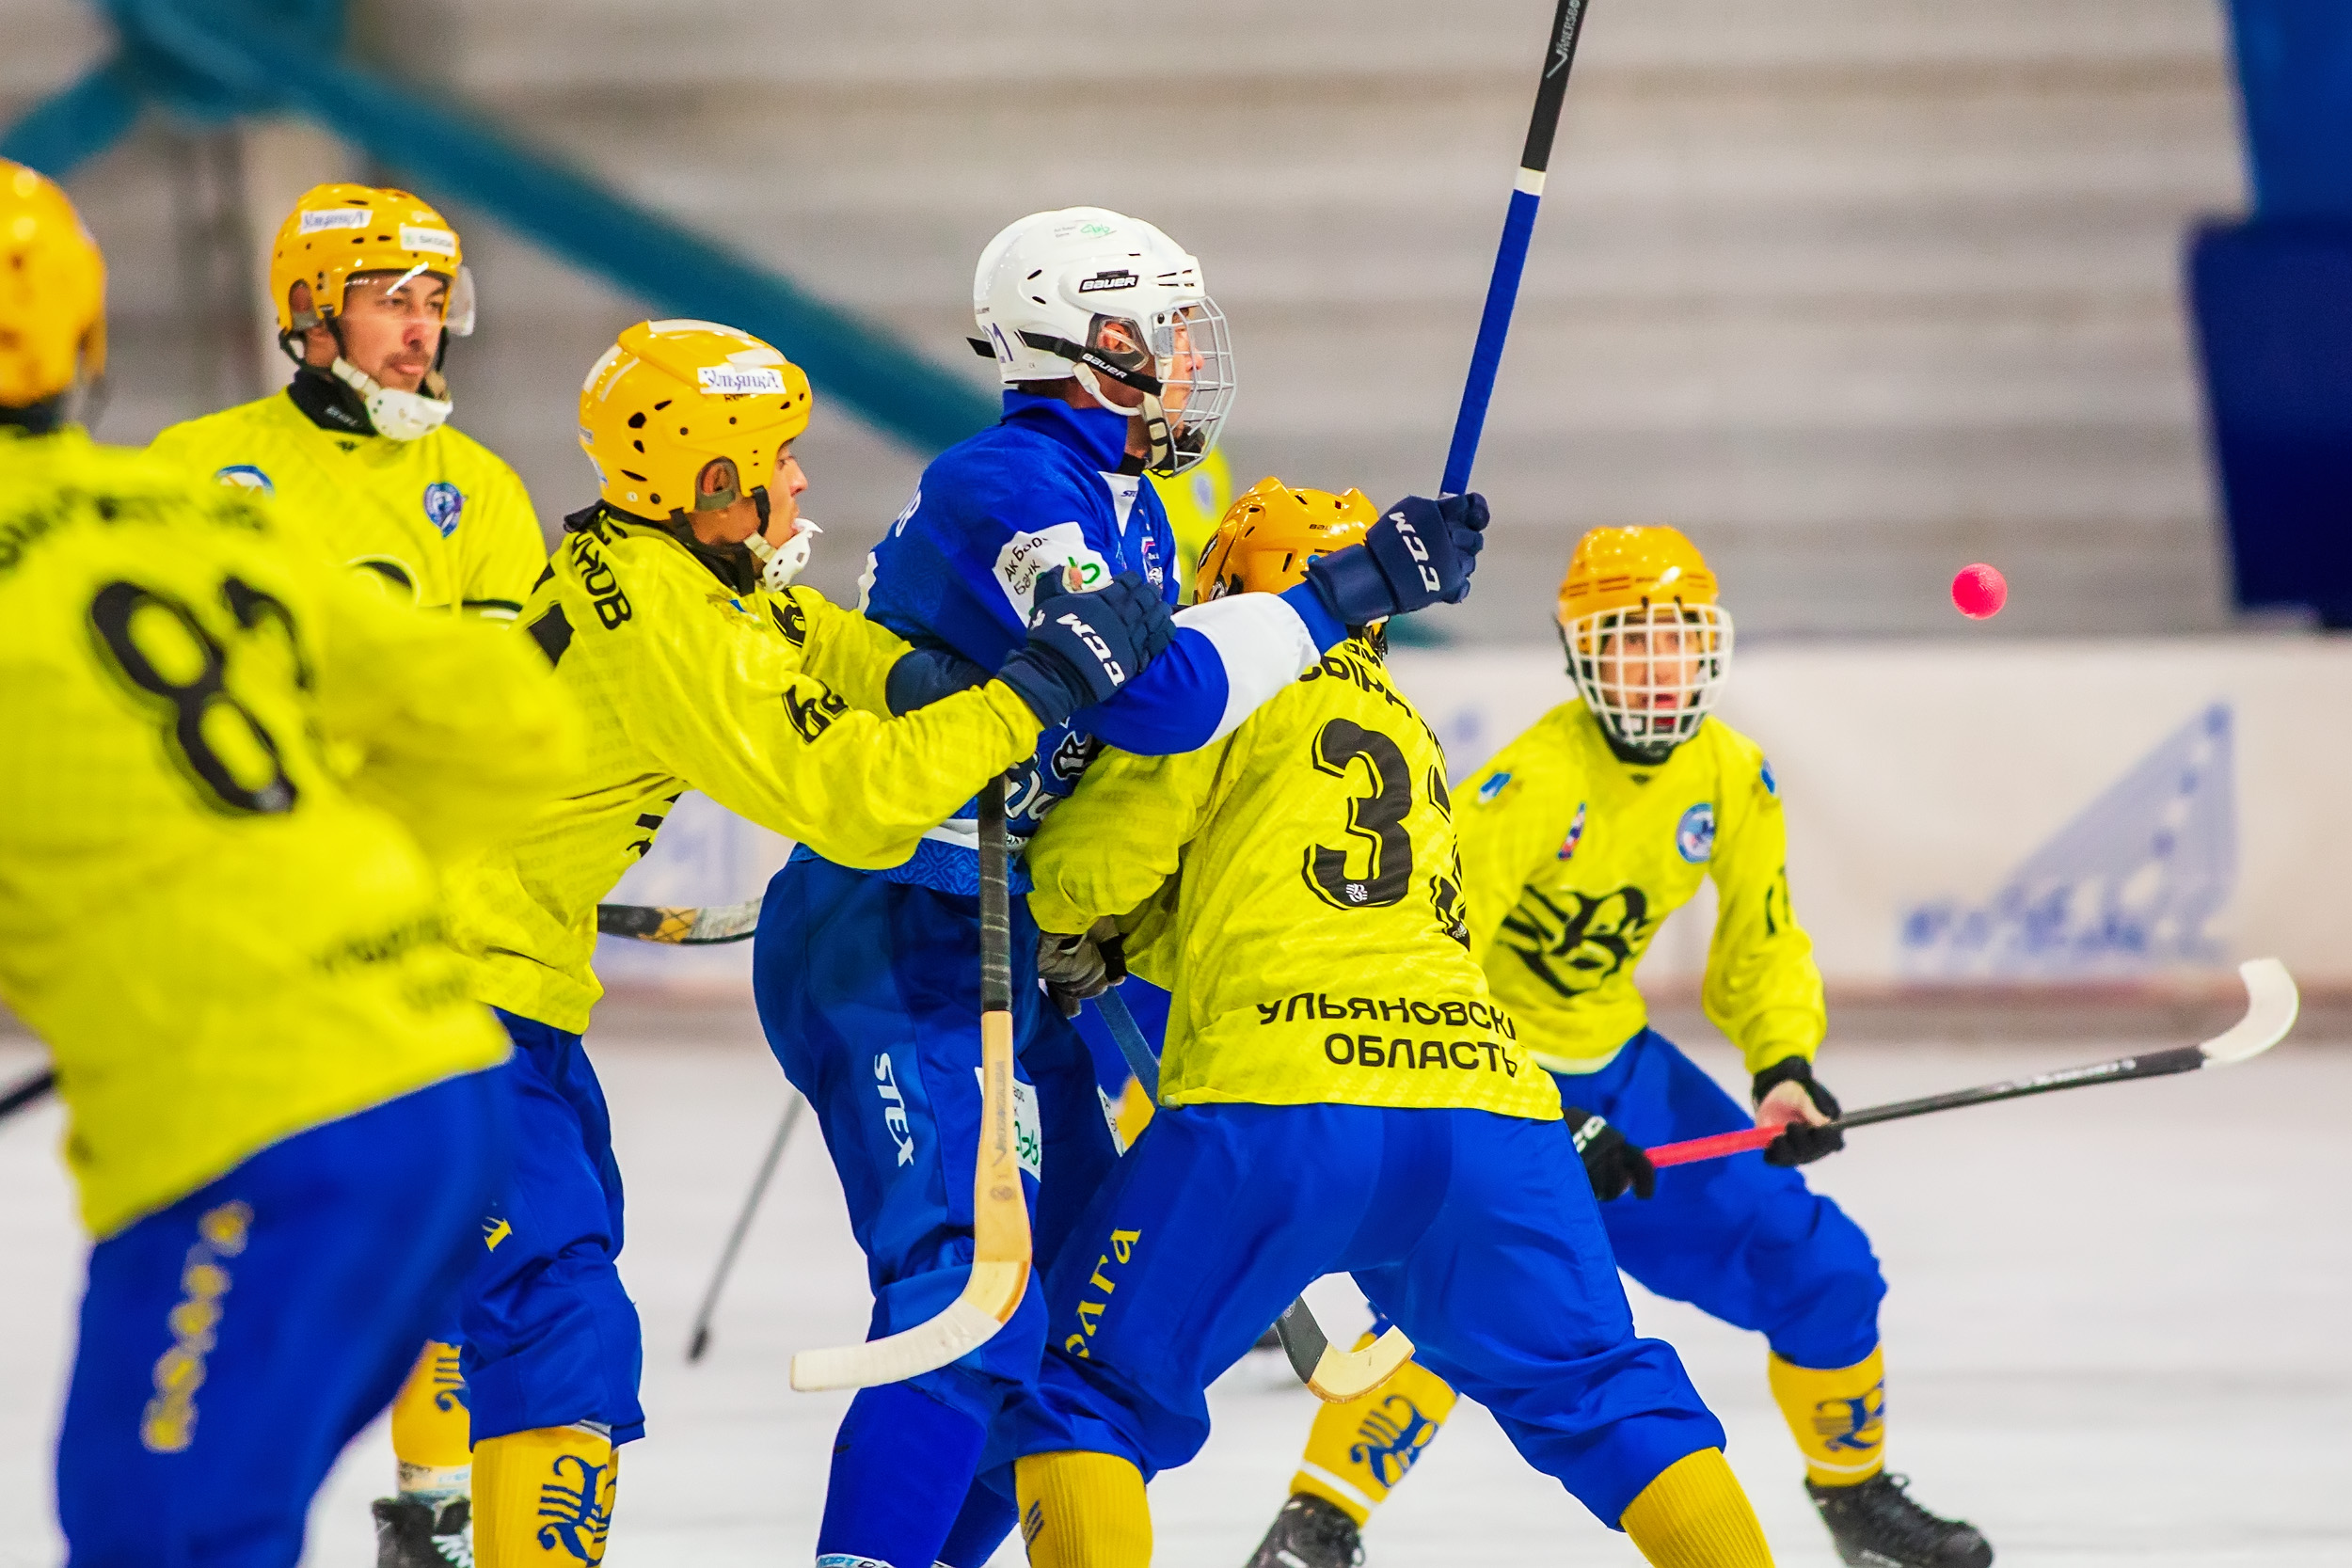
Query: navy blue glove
[
  {"x": 1419, "y": 553},
  {"x": 1083, "y": 648},
  {"x": 1800, "y": 1143},
  {"x": 923, "y": 676},
  {"x": 1612, "y": 1161}
]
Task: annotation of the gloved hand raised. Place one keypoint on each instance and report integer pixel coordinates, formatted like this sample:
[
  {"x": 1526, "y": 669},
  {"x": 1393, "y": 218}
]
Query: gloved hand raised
[
  {"x": 1083, "y": 648},
  {"x": 1612, "y": 1161},
  {"x": 1419, "y": 553},
  {"x": 1788, "y": 1097}
]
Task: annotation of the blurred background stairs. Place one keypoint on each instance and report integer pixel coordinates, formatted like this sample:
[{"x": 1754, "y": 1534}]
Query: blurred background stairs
[{"x": 1853, "y": 290}]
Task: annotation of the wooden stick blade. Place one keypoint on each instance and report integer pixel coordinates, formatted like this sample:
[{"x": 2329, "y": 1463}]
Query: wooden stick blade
[
  {"x": 970, "y": 1322},
  {"x": 1345, "y": 1375},
  {"x": 2271, "y": 1004}
]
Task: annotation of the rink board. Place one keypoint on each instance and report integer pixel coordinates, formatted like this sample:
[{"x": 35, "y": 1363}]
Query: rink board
[{"x": 1959, "y": 811}]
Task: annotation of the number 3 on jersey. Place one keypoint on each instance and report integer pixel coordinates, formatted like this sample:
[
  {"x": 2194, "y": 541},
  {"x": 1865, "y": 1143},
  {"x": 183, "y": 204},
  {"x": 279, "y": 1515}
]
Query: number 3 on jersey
[
  {"x": 1376, "y": 822},
  {"x": 155, "y": 644}
]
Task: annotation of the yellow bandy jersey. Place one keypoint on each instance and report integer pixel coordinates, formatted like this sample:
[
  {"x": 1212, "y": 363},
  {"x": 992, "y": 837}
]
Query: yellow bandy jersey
[
  {"x": 1314, "y": 943},
  {"x": 439, "y": 522},
  {"x": 769, "y": 703},
  {"x": 1574, "y": 860},
  {"x": 229, "y": 770}
]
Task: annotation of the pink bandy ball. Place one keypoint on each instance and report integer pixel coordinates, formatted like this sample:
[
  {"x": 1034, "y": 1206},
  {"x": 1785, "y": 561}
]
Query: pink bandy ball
[{"x": 1979, "y": 591}]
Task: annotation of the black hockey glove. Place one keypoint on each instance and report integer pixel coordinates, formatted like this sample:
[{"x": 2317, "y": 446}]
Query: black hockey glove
[
  {"x": 1419, "y": 553},
  {"x": 1799, "y": 1144},
  {"x": 1083, "y": 648},
  {"x": 1075, "y": 968},
  {"x": 1612, "y": 1161}
]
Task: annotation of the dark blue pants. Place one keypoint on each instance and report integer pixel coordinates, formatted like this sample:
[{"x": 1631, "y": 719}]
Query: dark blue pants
[
  {"x": 232, "y": 1343},
  {"x": 1740, "y": 1240},
  {"x": 869, "y": 991},
  {"x": 1474, "y": 1232},
  {"x": 550, "y": 1338}
]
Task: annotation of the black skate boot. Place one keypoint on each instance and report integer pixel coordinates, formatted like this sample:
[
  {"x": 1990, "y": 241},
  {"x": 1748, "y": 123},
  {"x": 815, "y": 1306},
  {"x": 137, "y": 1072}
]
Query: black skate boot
[
  {"x": 410, "y": 1533},
  {"x": 1311, "y": 1532},
  {"x": 1876, "y": 1525}
]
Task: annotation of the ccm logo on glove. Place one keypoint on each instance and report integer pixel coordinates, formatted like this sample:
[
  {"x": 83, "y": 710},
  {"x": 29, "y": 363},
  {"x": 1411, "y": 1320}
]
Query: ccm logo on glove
[{"x": 1095, "y": 644}]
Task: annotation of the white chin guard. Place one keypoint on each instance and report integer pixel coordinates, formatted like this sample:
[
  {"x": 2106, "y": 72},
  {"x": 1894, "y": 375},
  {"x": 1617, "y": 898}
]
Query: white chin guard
[
  {"x": 397, "y": 416},
  {"x": 780, "y": 563}
]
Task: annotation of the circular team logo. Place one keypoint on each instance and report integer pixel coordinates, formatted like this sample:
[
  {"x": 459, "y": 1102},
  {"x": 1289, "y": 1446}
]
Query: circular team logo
[
  {"x": 443, "y": 501},
  {"x": 1694, "y": 835},
  {"x": 245, "y": 476}
]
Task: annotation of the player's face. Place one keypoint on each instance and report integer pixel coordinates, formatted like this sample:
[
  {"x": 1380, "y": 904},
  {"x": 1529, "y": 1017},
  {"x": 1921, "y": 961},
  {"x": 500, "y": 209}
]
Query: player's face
[
  {"x": 391, "y": 327},
  {"x": 1649, "y": 668}
]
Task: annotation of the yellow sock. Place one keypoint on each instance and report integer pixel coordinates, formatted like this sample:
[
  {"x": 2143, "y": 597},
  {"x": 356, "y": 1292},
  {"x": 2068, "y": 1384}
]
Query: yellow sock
[
  {"x": 431, "y": 1433},
  {"x": 1694, "y": 1515},
  {"x": 1355, "y": 1452},
  {"x": 1083, "y": 1510},
  {"x": 1838, "y": 1417},
  {"x": 543, "y": 1498},
  {"x": 1134, "y": 1113}
]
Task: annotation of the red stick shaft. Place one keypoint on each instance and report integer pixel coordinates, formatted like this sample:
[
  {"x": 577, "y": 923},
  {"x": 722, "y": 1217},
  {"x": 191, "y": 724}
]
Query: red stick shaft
[{"x": 1712, "y": 1148}]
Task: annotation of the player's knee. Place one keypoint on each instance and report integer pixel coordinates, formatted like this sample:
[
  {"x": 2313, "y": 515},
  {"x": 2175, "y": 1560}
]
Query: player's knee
[{"x": 1829, "y": 1317}]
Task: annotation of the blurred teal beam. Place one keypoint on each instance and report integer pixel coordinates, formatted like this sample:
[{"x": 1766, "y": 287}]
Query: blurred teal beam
[
  {"x": 61, "y": 134},
  {"x": 206, "y": 58}
]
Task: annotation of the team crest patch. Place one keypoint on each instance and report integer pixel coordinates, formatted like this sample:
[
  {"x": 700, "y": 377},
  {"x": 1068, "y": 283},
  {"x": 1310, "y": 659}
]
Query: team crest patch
[
  {"x": 245, "y": 476},
  {"x": 1492, "y": 790},
  {"x": 1694, "y": 835},
  {"x": 1576, "y": 835},
  {"x": 443, "y": 502}
]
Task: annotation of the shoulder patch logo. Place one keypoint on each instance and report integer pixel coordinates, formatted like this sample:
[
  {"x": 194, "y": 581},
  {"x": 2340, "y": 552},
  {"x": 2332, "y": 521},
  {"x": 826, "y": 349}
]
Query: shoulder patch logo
[
  {"x": 443, "y": 502},
  {"x": 1491, "y": 791},
  {"x": 1772, "y": 785},
  {"x": 245, "y": 476},
  {"x": 1694, "y": 835},
  {"x": 1576, "y": 835}
]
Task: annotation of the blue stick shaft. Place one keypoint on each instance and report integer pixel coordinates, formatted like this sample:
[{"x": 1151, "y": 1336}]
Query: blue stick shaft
[
  {"x": 1519, "y": 226},
  {"x": 1131, "y": 1044}
]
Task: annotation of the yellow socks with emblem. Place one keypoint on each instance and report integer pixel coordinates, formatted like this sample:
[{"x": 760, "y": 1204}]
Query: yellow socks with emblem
[
  {"x": 1083, "y": 1510},
  {"x": 431, "y": 1435},
  {"x": 1694, "y": 1515},
  {"x": 1838, "y": 1417},
  {"x": 1357, "y": 1450},
  {"x": 543, "y": 1498}
]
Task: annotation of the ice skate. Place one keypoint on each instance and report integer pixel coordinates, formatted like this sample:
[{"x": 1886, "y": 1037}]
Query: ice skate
[
  {"x": 1876, "y": 1525},
  {"x": 414, "y": 1532},
  {"x": 1311, "y": 1532}
]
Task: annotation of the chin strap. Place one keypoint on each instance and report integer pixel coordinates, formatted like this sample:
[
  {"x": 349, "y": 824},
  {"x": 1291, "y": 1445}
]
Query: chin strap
[
  {"x": 780, "y": 563},
  {"x": 397, "y": 416}
]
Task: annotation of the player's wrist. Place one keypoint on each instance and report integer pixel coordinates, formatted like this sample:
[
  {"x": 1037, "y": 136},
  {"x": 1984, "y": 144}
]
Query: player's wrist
[{"x": 1046, "y": 682}]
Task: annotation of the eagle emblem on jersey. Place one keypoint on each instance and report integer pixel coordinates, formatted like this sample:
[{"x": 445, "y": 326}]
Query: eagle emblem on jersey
[{"x": 1576, "y": 942}]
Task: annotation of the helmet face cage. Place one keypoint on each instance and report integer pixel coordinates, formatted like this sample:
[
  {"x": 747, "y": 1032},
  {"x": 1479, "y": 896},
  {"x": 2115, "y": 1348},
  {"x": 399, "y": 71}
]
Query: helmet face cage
[
  {"x": 1195, "y": 361},
  {"x": 1652, "y": 673}
]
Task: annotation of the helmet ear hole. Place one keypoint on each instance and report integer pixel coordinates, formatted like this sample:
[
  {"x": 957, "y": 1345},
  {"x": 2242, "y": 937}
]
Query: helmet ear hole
[{"x": 716, "y": 486}]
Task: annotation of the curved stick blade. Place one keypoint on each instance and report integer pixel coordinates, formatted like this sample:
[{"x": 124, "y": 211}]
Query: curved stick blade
[
  {"x": 1345, "y": 1375},
  {"x": 989, "y": 1298},
  {"x": 2271, "y": 1004}
]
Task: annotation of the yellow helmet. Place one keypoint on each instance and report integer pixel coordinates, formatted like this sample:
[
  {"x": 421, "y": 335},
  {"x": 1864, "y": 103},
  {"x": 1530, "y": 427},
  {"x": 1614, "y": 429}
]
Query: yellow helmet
[
  {"x": 53, "y": 291},
  {"x": 336, "y": 231},
  {"x": 1271, "y": 532},
  {"x": 1648, "y": 648},
  {"x": 688, "y": 416}
]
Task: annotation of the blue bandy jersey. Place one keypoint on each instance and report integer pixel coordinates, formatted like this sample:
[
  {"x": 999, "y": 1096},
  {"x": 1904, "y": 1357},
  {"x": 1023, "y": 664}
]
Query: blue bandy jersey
[{"x": 1039, "y": 491}]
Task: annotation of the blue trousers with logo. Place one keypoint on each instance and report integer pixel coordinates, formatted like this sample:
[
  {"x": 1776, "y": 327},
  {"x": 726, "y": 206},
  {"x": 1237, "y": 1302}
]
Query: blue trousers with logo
[
  {"x": 869, "y": 991},
  {"x": 232, "y": 1343},
  {"x": 549, "y": 1336},
  {"x": 1476, "y": 1233}
]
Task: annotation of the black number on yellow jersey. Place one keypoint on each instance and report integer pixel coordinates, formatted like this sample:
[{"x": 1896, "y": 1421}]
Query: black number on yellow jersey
[
  {"x": 1377, "y": 818},
  {"x": 184, "y": 705}
]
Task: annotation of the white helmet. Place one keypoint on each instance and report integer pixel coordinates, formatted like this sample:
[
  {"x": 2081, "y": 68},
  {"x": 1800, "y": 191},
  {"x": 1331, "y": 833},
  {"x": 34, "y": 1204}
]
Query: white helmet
[{"x": 1088, "y": 293}]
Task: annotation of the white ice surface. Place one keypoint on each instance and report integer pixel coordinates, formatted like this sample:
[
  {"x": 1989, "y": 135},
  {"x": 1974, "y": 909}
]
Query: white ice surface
[{"x": 2118, "y": 1332}]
